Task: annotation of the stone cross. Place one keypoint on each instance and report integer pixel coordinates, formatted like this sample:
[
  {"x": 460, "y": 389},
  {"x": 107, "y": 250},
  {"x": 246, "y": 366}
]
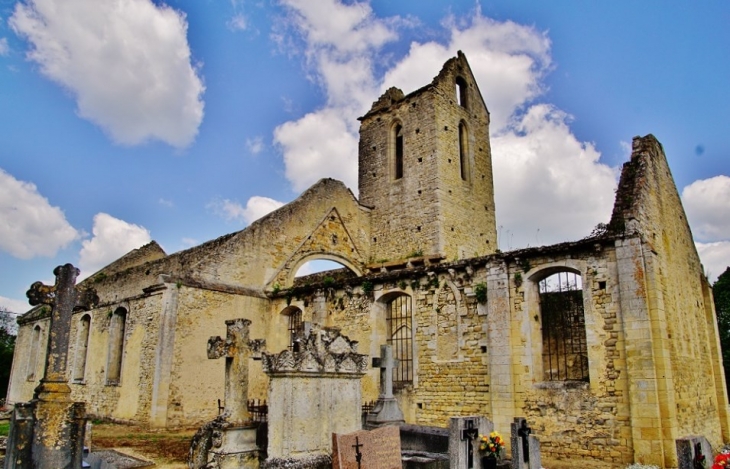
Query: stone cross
[
  {"x": 524, "y": 432},
  {"x": 470, "y": 434},
  {"x": 64, "y": 298},
  {"x": 238, "y": 349},
  {"x": 387, "y": 363}
]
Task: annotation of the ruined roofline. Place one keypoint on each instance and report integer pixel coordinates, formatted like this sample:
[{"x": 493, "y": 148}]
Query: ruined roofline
[
  {"x": 395, "y": 95},
  {"x": 590, "y": 243},
  {"x": 142, "y": 255},
  {"x": 640, "y": 186},
  {"x": 165, "y": 265}
]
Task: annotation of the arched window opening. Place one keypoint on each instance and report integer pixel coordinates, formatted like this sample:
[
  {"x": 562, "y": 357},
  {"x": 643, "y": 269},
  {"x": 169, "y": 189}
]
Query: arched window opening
[
  {"x": 116, "y": 346},
  {"x": 464, "y": 151},
  {"x": 397, "y": 145},
  {"x": 82, "y": 347},
  {"x": 296, "y": 328},
  {"x": 35, "y": 347},
  {"x": 564, "y": 348},
  {"x": 461, "y": 91},
  {"x": 400, "y": 339},
  {"x": 317, "y": 266}
]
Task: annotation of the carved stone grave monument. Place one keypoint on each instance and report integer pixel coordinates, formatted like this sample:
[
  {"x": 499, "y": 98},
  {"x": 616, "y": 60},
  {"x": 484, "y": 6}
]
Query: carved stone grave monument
[
  {"x": 525, "y": 446},
  {"x": 694, "y": 452},
  {"x": 229, "y": 441},
  {"x": 56, "y": 436},
  {"x": 367, "y": 449},
  {"x": 463, "y": 444},
  {"x": 386, "y": 410},
  {"x": 313, "y": 393}
]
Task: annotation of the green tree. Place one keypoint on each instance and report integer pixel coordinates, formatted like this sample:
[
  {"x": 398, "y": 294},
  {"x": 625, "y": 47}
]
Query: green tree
[
  {"x": 7, "y": 346},
  {"x": 721, "y": 293}
]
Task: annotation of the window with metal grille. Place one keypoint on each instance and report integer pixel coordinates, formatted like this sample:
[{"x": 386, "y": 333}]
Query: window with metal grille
[
  {"x": 564, "y": 349},
  {"x": 296, "y": 327},
  {"x": 400, "y": 339}
]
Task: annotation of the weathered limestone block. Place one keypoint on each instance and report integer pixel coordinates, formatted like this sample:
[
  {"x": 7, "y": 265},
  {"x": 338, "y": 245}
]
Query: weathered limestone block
[{"x": 313, "y": 393}]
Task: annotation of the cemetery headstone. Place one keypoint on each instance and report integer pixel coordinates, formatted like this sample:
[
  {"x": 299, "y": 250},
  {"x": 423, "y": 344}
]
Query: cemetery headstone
[
  {"x": 367, "y": 449},
  {"x": 57, "y": 436},
  {"x": 386, "y": 410},
  {"x": 525, "y": 446},
  {"x": 238, "y": 349},
  {"x": 463, "y": 445},
  {"x": 314, "y": 392},
  {"x": 230, "y": 439},
  {"x": 692, "y": 451}
]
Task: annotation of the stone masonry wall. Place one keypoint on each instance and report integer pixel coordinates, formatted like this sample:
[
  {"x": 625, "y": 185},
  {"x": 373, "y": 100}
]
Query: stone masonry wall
[
  {"x": 691, "y": 398},
  {"x": 430, "y": 209}
]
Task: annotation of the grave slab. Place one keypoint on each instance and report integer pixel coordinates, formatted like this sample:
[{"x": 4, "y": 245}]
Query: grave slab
[{"x": 374, "y": 449}]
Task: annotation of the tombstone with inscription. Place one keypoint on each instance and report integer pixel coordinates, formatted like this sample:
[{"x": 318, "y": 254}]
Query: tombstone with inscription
[
  {"x": 367, "y": 449},
  {"x": 50, "y": 429},
  {"x": 313, "y": 392},
  {"x": 386, "y": 410},
  {"x": 525, "y": 446},
  {"x": 463, "y": 444},
  {"x": 693, "y": 451},
  {"x": 229, "y": 441}
]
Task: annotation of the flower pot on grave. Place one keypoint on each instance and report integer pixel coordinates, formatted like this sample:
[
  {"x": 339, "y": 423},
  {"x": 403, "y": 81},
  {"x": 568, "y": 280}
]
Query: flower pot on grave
[{"x": 489, "y": 463}]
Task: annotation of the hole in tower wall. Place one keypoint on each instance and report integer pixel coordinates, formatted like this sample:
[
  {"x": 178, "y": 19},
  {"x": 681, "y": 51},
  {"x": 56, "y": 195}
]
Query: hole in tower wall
[
  {"x": 418, "y": 228},
  {"x": 419, "y": 191},
  {"x": 446, "y": 127},
  {"x": 420, "y": 160},
  {"x": 418, "y": 131}
]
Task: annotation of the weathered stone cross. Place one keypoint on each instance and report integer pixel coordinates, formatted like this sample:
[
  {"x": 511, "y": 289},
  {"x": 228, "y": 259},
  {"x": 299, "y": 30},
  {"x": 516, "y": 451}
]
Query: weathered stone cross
[
  {"x": 238, "y": 349},
  {"x": 64, "y": 298},
  {"x": 387, "y": 363}
]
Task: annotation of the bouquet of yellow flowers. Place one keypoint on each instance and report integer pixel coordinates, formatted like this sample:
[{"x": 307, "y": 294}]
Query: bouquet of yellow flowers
[{"x": 491, "y": 445}]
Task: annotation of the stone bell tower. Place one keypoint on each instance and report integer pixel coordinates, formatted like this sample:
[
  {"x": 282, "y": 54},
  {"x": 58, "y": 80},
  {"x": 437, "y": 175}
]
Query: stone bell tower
[{"x": 425, "y": 169}]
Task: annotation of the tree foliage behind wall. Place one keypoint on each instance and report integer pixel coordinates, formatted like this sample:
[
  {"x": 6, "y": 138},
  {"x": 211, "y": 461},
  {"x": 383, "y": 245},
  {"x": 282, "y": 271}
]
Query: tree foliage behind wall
[
  {"x": 721, "y": 293},
  {"x": 7, "y": 345}
]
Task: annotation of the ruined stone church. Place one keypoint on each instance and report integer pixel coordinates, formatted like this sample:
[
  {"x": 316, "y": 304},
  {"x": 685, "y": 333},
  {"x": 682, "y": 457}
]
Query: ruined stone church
[{"x": 607, "y": 345}]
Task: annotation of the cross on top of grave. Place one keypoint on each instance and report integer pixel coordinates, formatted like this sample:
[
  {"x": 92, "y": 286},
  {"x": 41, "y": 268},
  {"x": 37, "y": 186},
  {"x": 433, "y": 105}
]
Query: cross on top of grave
[
  {"x": 524, "y": 432},
  {"x": 387, "y": 363},
  {"x": 64, "y": 298},
  {"x": 238, "y": 349}
]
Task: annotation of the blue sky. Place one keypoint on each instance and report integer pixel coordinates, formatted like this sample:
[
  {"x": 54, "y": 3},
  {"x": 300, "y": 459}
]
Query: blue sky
[{"x": 126, "y": 121}]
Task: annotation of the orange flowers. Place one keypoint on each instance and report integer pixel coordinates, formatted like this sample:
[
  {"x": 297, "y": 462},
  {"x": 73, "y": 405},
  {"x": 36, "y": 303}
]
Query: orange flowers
[{"x": 492, "y": 444}]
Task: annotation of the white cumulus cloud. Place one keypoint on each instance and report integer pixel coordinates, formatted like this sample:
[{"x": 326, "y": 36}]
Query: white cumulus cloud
[
  {"x": 14, "y": 306},
  {"x": 30, "y": 225},
  {"x": 707, "y": 202},
  {"x": 255, "y": 208},
  {"x": 715, "y": 258},
  {"x": 126, "y": 62},
  {"x": 4, "y": 47},
  {"x": 340, "y": 45},
  {"x": 111, "y": 239},
  {"x": 549, "y": 186},
  {"x": 508, "y": 60}
]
